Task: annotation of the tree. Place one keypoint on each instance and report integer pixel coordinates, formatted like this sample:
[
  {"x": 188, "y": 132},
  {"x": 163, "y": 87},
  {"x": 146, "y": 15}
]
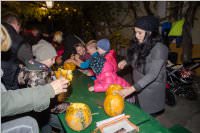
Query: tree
[{"x": 187, "y": 28}]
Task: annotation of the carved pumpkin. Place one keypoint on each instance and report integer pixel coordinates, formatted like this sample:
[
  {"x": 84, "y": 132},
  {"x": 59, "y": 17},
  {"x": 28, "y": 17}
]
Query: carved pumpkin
[
  {"x": 78, "y": 116},
  {"x": 113, "y": 104},
  {"x": 112, "y": 88},
  {"x": 57, "y": 74},
  {"x": 69, "y": 66},
  {"x": 64, "y": 73}
]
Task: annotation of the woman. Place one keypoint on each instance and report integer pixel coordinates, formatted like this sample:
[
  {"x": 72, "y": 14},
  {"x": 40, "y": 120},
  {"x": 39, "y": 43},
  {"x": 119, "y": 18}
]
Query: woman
[{"x": 148, "y": 57}]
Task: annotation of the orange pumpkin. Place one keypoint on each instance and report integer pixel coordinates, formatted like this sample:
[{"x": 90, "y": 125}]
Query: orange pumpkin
[
  {"x": 57, "y": 74},
  {"x": 64, "y": 73},
  {"x": 112, "y": 88},
  {"x": 69, "y": 66},
  {"x": 113, "y": 104},
  {"x": 78, "y": 116}
]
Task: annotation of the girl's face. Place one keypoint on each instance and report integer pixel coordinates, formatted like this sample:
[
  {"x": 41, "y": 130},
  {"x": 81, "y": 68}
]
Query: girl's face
[
  {"x": 80, "y": 50},
  {"x": 49, "y": 62},
  {"x": 100, "y": 51},
  {"x": 139, "y": 34}
]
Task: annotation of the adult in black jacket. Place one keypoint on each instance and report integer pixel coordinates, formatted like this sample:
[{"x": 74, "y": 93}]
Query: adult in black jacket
[{"x": 9, "y": 61}]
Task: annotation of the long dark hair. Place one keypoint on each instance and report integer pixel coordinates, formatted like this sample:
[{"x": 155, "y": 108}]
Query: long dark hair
[{"x": 139, "y": 52}]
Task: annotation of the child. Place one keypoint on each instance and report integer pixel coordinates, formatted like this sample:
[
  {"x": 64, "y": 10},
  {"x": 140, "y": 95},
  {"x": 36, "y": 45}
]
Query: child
[
  {"x": 95, "y": 61},
  {"x": 58, "y": 45},
  {"x": 82, "y": 56},
  {"x": 104, "y": 66},
  {"x": 38, "y": 72},
  {"x": 108, "y": 74}
]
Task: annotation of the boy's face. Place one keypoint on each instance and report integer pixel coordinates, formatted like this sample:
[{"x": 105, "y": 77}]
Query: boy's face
[
  {"x": 91, "y": 50},
  {"x": 49, "y": 62},
  {"x": 100, "y": 51},
  {"x": 80, "y": 50}
]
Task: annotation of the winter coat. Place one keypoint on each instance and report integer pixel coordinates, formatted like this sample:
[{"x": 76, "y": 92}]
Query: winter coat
[
  {"x": 23, "y": 100},
  {"x": 9, "y": 61},
  {"x": 151, "y": 85},
  {"x": 37, "y": 77},
  {"x": 108, "y": 74}
]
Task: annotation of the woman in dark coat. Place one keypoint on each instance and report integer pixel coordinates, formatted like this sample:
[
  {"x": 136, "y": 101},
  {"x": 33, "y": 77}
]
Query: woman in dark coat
[{"x": 148, "y": 58}]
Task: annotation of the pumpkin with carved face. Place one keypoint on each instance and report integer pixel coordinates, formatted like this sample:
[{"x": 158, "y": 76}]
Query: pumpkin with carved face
[{"x": 78, "y": 116}]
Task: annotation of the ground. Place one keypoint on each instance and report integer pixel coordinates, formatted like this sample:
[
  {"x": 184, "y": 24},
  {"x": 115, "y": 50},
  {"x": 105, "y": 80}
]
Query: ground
[{"x": 185, "y": 113}]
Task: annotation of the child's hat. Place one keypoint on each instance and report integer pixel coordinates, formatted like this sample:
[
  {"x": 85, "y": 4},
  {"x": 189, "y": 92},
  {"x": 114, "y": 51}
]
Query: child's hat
[
  {"x": 104, "y": 44},
  {"x": 43, "y": 51}
]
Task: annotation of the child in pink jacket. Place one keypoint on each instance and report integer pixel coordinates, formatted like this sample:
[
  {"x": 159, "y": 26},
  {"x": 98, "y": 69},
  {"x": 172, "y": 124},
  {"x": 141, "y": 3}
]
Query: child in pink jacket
[
  {"x": 108, "y": 74},
  {"x": 104, "y": 65}
]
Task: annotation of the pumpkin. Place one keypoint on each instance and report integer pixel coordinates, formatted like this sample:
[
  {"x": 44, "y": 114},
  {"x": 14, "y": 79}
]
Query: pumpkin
[
  {"x": 69, "y": 66},
  {"x": 112, "y": 88},
  {"x": 57, "y": 74},
  {"x": 64, "y": 73},
  {"x": 78, "y": 116},
  {"x": 113, "y": 104}
]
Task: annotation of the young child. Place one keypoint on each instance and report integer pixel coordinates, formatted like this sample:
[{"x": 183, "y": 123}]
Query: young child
[
  {"x": 81, "y": 56},
  {"x": 104, "y": 66},
  {"x": 38, "y": 72},
  {"x": 57, "y": 42},
  {"x": 108, "y": 74}
]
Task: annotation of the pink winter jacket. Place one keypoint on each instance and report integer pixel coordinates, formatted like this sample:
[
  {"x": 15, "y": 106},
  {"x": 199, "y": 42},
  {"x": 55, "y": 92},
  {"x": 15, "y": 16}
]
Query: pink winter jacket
[{"x": 108, "y": 74}]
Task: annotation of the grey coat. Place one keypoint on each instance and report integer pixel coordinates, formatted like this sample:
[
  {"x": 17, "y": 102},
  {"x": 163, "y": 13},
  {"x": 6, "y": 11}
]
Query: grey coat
[
  {"x": 151, "y": 85},
  {"x": 24, "y": 100}
]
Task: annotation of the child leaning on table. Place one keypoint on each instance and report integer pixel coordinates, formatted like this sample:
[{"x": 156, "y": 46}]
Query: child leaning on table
[
  {"x": 104, "y": 65},
  {"x": 81, "y": 56},
  {"x": 38, "y": 72},
  {"x": 108, "y": 74}
]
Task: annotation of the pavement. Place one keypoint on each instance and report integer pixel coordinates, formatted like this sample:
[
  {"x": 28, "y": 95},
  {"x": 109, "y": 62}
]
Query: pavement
[{"x": 185, "y": 113}]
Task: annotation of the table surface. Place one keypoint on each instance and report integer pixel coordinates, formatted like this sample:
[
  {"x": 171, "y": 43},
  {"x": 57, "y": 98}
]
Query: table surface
[{"x": 80, "y": 93}]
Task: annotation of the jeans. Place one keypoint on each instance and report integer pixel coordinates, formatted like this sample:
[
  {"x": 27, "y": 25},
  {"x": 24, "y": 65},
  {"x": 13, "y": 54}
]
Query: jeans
[
  {"x": 25, "y": 124},
  {"x": 54, "y": 122}
]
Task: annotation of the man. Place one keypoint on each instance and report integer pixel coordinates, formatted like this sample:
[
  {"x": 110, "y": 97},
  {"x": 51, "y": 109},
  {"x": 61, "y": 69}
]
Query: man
[{"x": 9, "y": 61}]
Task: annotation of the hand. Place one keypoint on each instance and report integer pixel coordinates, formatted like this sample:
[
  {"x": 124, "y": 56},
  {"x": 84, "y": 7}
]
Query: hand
[
  {"x": 91, "y": 88},
  {"x": 70, "y": 60},
  {"x": 21, "y": 78},
  {"x": 72, "y": 56},
  {"x": 122, "y": 64},
  {"x": 126, "y": 91},
  {"x": 77, "y": 57},
  {"x": 59, "y": 60},
  {"x": 60, "y": 85}
]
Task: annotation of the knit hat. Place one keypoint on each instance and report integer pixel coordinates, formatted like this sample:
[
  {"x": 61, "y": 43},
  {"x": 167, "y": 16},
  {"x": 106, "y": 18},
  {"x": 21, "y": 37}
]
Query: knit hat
[
  {"x": 43, "y": 51},
  {"x": 104, "y": 44},
  {"x": 148, "y": 23}
]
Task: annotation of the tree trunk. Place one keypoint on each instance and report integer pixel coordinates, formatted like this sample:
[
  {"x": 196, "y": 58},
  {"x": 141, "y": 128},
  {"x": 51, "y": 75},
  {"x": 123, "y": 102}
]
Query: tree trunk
[
  {"x": 187, "y": 31},
  {"x": 187, "y": 43}
]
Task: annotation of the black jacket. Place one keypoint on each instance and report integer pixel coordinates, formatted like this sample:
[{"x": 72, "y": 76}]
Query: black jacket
[{"x": 9, "y": 60}]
